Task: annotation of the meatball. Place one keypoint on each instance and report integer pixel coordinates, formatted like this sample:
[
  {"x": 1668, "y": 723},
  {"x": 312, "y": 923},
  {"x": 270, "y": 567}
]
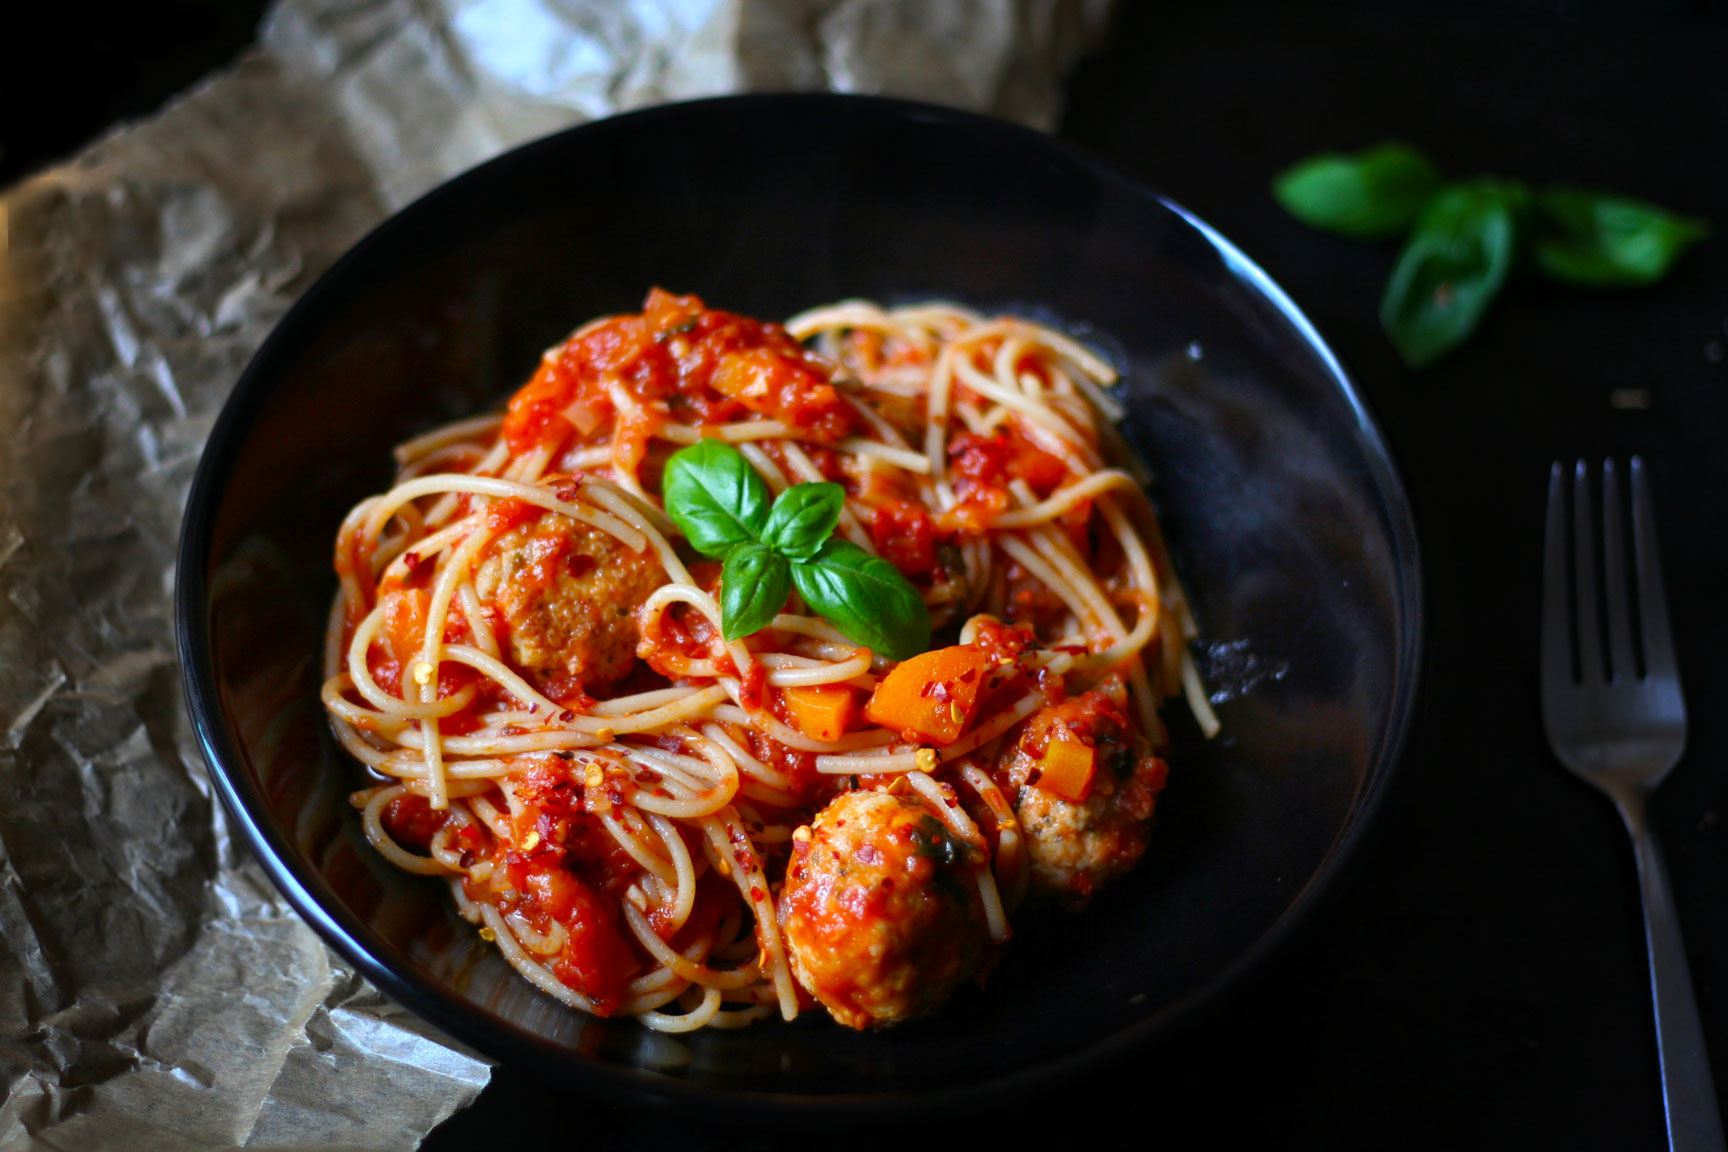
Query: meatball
[
  {"x": 567, "y": 595},
  {"x": 1078, "y": 845},
  {"x": 880, "y": 909}
]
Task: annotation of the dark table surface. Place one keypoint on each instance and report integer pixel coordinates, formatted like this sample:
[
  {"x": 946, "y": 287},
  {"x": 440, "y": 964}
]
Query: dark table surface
[{"x": 1479, "y": 979}]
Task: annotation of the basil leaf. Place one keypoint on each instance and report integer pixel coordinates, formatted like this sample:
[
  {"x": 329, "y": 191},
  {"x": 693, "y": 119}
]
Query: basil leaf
[
  {"x": 715, "y": 497},
  {"x": 754, "y": 584},
  {"x": 866, "y": 598},
  {"x": 1374, "y": 195},
  {"x": 1602, "y": 240},
  {"x": 1451, "y": 268},
  {"x": 803, "y": 518}
]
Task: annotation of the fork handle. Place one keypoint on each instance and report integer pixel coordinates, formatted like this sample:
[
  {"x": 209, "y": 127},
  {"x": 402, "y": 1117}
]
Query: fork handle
[{"x": 1688, "y": 1092}]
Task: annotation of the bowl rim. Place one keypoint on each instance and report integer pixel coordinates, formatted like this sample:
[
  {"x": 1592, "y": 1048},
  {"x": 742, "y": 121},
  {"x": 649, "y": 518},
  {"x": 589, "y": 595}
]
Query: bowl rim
[{"x": 503, "y": 1040}]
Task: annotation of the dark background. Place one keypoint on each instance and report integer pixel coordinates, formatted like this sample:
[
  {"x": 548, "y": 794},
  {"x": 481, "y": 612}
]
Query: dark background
[{"x": 1479, "y": 980}]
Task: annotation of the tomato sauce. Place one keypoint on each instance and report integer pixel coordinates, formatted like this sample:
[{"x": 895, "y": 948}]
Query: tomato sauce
[
  {"x": 411, "y": 821},
  {"x": 676, "y": 360},
  {"x": 982, "y": 468},
  {"x": 905, "y": 536},
  {"x": 564, "y": 870}
]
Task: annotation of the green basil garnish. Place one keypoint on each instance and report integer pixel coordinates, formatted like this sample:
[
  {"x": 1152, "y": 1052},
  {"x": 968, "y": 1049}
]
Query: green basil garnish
[
  {"x": 1605, "y": 241},
  {"x": 803, "y": 518},
  {"x": 1467, "y": 236},
  {"x": 754, "y": 584},
  {"x": 1451, "y": 268},
  {"x": 721, "y": 505},
  {"x": 1374, "y": 195},
  {"x": 865, "y": 597},
  {"x": 715, "y": 497}
]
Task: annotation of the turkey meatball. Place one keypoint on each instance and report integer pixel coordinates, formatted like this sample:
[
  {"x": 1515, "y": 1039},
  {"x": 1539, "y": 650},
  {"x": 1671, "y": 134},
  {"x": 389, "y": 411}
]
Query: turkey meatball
[
  {"x": 1080, "y": 837},
  {"x": 880, "y": 909},
  {"x": 567, "y": 595}
]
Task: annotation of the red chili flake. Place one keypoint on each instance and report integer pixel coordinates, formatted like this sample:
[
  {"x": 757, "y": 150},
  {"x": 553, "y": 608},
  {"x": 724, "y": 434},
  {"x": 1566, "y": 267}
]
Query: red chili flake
[
  {"x": 968, "y": 676},
  {"x": 757, "y": 894},
  {"x": 566, "y": 716},
  {"x": 411, "y": 560}
]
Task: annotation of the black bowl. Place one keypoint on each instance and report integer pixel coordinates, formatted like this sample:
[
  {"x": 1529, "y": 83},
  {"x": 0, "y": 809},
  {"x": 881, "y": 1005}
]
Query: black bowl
[{"x": 1285, "y": 516}]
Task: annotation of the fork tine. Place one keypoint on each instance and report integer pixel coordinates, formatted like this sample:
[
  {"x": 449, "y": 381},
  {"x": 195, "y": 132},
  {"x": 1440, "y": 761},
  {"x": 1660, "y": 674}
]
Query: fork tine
[
  {"x": 1584, "y": 576},
  {"x": 1556, "y": 636},
  {"x": 1614, "y": 586},
  {"x": 1652, "y": 601}
]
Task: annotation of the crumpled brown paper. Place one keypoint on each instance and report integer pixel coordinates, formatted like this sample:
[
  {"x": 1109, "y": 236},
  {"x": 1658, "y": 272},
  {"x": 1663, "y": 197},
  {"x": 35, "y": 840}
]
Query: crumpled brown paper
[{"x": 155, "y": 989}]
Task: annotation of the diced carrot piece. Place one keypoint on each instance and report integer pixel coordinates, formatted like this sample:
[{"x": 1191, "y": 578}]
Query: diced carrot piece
[
  {"x": 931, "y": 697},
  {"x": 405, "y": 620},
  {"x": 747, "y": 375},
  {"x": 1067, "y": 767},
  {"x": 821, "y": 711}
]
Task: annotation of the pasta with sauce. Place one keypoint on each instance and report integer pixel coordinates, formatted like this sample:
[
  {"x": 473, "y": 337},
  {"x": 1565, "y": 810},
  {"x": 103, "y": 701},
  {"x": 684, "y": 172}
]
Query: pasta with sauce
[{"x": 650, "y": 818}]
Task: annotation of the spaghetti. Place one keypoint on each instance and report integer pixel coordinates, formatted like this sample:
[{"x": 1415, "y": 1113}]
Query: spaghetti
[{"x": 652, "y": 819}]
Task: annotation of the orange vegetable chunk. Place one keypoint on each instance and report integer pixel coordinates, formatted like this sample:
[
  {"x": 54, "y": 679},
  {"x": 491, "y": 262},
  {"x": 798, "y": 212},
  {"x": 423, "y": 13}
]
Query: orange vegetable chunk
[
  {"x": 1067, "y": 766},
  {"x": 821, "y": 711},
  {"x": 405, "y": 619},
  {"x": 931, "y": 697}
]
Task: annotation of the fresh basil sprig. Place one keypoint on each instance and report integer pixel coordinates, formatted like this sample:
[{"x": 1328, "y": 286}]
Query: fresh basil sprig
[
  {"x": 803, "y": 519},
  {"x": 1374, "y": 195},
  {"x": 1451, "y": 269},
  {"x": 720, "y": 502},
  {"x": 1599, "y": 240},
  {"x": 723, "y": 508},
  {"x": 1467, "y": 236},
  {"x": 754, "y": 584},
  {"x": 865, "y": 597}
]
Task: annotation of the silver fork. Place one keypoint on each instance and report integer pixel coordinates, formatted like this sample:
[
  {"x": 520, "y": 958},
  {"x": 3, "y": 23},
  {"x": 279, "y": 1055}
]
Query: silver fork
[{"x": 1615, "y": 716}]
